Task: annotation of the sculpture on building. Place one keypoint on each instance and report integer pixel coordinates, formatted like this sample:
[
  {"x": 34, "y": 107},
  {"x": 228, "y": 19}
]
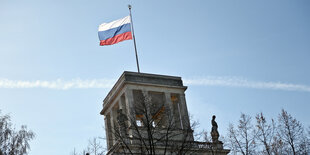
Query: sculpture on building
[
  {"x": 214, "y": 133},
  {"x": 154, "y": 118},
  {"x": 121, "y": 119}
]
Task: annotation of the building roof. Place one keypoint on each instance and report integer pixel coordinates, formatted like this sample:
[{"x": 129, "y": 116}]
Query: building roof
[{"x": 142, "y": 79}]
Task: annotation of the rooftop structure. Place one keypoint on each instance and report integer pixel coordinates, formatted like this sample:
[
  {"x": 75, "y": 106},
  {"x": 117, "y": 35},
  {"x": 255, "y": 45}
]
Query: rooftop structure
[{"x": 147, "y": 113}]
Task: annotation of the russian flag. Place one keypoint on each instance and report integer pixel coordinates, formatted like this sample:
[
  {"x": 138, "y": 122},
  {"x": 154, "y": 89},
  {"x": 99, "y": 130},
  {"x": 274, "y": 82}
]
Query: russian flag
[{"x": 114, "y": 32}]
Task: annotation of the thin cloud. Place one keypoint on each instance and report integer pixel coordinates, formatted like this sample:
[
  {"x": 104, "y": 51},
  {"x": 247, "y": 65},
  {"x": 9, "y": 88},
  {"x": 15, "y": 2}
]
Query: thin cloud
[
  {"x": 244, "y": 83},
  {"x": 58, "y": 84},
  {"x": 108, "y": 83}
]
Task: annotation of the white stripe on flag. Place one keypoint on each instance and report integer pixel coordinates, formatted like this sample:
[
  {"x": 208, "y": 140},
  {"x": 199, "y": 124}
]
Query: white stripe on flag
[{"x": 114, "y": 24}]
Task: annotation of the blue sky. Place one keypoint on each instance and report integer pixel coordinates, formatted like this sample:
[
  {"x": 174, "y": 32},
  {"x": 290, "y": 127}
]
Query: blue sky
[{"x": 234, "y": 56}]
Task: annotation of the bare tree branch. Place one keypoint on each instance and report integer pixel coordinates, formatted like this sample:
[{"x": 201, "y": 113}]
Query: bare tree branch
[
  {"x": 12, "y": 141},
  {"x": 243, "y": 138},
  {"x": 290, "y": 131}
]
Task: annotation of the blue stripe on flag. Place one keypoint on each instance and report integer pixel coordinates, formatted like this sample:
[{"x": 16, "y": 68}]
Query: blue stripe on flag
[{"x": 103, "y": 35}]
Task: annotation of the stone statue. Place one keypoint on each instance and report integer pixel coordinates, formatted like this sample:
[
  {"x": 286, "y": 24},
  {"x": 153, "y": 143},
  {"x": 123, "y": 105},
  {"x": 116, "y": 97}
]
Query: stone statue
[
  {"x": 121, "y": 119},
  {"x": 214, "y": 133}
]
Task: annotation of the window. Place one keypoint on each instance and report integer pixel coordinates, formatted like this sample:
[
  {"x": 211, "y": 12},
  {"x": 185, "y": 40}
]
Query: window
[
  {"x": 150, "y": 103},
  {"x": 139, "y": 123}
]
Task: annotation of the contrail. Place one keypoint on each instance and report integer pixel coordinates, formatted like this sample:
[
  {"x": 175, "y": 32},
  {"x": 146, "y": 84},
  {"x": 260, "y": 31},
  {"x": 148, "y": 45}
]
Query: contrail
[
  {"x": 58, "y": 84},
  {"x": 108, "y": 83},
  {"x": 240, "y": 82}
]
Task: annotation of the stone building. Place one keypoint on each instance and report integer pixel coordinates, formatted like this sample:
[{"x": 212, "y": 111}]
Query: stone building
[{"x": 147, "y": 114}]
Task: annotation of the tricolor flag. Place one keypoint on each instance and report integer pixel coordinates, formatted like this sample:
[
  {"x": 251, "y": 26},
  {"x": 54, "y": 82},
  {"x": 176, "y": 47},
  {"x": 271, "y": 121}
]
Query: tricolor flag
[{"x": 114, "y": 32}]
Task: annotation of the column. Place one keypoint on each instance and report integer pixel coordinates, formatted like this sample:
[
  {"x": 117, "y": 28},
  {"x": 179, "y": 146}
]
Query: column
[
  {"x": 108, "y": 130},
  {"x": 169, "y": 109},
  {"x": 184, "y": 111},
  {"x": 129, "y": 102},
  {"x": 112, "y": 126}
]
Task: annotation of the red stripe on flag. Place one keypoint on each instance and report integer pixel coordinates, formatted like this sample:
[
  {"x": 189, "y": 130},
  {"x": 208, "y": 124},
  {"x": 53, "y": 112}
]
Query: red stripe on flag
[{"x": 116, "y": 39}]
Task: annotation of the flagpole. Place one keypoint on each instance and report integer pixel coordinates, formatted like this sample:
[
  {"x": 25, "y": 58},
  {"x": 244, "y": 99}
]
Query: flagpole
[{"x": 134, "y": 38}]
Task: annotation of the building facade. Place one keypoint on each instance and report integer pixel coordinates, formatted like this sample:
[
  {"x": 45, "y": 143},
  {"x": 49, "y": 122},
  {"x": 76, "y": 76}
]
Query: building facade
[{"x": 147, "y": 114}]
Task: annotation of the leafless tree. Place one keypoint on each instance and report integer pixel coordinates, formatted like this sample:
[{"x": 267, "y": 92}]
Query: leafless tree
[
  {"x": 304, "y": 147},
  {"x": 291, "y": 132},
  {"x": 277, "y": 146},
  {"x": 307, "y": 143},
  {"x": 242, "y": 139},
  {"x": 12, "y": 141},
  {"x": 154, "y": 127},
  {"x": 265, "y": 133},
  {"x": 286, "y": 136},
  {"x": 74, "y": 152},
  {"x": 204, "y": 136},
  {"x": 95, "y": 147}
]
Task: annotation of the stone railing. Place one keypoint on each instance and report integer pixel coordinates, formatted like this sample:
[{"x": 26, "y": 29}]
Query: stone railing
[{"x": 170, "y": 144}]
